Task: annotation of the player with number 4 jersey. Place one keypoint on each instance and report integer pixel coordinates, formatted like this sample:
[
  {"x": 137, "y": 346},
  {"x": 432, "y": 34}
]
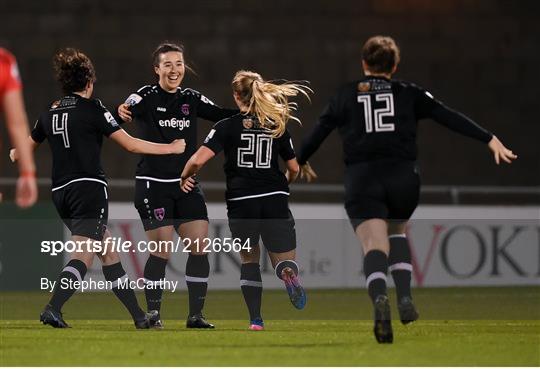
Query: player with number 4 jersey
[
  {"x": 74, "y": 127},
  {"x": 377, "y": 120},
  {"x": 257, "y": 190}
]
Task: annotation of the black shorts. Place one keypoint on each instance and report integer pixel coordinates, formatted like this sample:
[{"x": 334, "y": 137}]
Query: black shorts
[
  {"x": 385, "y": 189},
  {"x": 266, "y": 217},
  {"x": 162, "y": 204},
  {"x": 84, "y": 208}
]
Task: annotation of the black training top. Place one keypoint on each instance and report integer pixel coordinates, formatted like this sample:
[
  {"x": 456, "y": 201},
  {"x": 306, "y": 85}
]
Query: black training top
[
  {"x": 74, "y": 127},
  {"x": 162, "y": 117},
  {"x": 251, "y": 157},
  {"x": 377, "y": 118}
]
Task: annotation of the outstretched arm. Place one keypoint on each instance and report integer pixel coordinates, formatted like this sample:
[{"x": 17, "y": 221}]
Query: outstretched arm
[
  {"x": 429, "y": 107},
  {"x": 327, "y": 122},
  {"x": 139, "y": 146},
  {"x": 462, "y": 124},
  {"x": 194, "y": 164},
  {"x": 324, "y": 126},
  {"x": 459, "y": 123}
]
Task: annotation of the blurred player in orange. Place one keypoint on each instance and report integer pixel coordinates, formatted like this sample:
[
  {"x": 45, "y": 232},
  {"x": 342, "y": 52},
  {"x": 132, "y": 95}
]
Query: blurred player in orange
[{"x": 12, "y": 104}]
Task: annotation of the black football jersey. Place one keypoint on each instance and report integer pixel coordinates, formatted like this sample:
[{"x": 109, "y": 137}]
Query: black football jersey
[
  {"x": 377, "y": 118},
  {"x": 251, "y": 157},
  {"x": 74, "y": 127},
  {"x": 162, "y": 117}
]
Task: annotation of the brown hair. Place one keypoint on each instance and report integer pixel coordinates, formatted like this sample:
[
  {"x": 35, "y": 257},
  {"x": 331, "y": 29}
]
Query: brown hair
[
  {"x": 166, "y": 47},
  {"x": 268, "y": 101},
  {"x": 381, "y": 54},
  {"x": 73, "y": 70}
]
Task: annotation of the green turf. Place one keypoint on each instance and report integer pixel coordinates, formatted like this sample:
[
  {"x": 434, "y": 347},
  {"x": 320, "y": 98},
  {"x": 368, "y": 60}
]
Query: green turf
[{"x": 468, "y": 326}]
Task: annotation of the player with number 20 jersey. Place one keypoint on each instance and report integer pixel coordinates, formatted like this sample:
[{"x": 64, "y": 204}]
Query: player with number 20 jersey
[{"x": 257, "y": 190}]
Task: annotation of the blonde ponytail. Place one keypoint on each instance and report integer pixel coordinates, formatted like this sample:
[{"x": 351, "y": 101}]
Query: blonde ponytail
[{"x": 268, "y": 101}]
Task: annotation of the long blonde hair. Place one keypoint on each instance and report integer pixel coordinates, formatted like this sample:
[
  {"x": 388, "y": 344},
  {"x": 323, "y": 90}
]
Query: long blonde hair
[{"x": 268, "y": 101}]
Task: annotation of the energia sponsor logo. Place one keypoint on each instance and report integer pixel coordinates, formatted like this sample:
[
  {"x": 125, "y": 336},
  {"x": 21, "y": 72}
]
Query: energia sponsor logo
[{"x": 175, "y": 123}]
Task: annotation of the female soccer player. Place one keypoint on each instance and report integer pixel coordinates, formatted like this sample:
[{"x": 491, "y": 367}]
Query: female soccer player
[
  {"x": 75, "y": 126},
  {"x": 164, "y": 112},
  {"x": 377, "y": 118},
  {"x": 257, "y": 190},
  {"x": 12, "y": 103}
]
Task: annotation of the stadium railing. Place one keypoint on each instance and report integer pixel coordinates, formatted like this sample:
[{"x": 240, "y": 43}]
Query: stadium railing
[{"x": 439, "y": 194}]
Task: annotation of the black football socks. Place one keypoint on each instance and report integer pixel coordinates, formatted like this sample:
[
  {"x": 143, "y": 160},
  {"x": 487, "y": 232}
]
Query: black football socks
[
  {"x": 74, "y": 271},
  {"x": 399, "y": 264},
  {"x": 197, "y": 272},
  {"x": 251, "y": 285},
  {"x": 116, "y": 274},
  {"x": 154, "y": 271},
  {"x": 375, "y": 269}
]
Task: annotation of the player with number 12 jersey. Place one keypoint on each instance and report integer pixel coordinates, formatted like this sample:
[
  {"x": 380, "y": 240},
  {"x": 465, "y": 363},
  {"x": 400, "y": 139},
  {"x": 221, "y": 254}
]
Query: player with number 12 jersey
[{"x": 377, "y": 119}]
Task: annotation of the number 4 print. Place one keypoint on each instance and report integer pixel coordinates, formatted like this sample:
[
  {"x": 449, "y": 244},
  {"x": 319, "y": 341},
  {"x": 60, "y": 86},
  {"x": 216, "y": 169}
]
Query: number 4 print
[{"x": 60, "y": 128}]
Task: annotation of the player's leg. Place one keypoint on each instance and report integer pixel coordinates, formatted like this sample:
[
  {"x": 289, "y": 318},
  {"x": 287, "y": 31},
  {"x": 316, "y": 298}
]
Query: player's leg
[
  {"x": 279, "y": 238},
  {"x": 154, "y": 273},
  {"x": 251, "y": 286},
  {"x": 244, "y": 225},
  {"x": 373, "y": 236},
  {"x": 66, "y": 285},
  {"x": 286, "y": 269},
  {"x": 75, "y": 270},
  {"x": 365, "y": 204},
  {"x": 197, "y": 271},
  {"x": 192, "y": 217},
  {"x": 115, "y": 273},
  {"x": 155, "y": 204},
  {"x": 403, "y": 191}
]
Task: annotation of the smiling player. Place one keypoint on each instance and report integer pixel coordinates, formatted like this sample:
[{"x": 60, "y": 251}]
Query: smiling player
[{"x": 164, "y": 111}]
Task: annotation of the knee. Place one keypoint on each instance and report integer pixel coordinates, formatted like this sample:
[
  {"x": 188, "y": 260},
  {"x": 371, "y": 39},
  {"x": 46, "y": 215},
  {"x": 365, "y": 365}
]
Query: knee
[
  {"x": 252, "y": 256},
  {"x": 109, "y": 258}
]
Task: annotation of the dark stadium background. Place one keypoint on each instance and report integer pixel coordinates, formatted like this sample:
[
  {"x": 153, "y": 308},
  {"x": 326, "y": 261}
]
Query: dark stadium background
[{"x": 479, "y": 56}]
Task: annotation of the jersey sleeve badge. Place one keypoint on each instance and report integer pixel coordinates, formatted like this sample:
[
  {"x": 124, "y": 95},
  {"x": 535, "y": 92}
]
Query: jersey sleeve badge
[
  {"x": 110, "y": 119},
  {"x": 210, "y": 135},
  {"x": 206, "y": 100},
  {"x": 133, "y": 99}
]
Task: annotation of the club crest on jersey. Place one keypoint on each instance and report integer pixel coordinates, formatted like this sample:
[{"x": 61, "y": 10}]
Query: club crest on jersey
[
  {"x": 159, "y": 213},
  {"x": 364, "y": 87},
  {"x": 247, "y": 123},
  {"x": 185, "y": 109}
]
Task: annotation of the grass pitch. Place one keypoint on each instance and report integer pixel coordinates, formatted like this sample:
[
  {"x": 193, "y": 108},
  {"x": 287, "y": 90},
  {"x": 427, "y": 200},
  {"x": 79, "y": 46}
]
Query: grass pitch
[{"x": 458, "y": 327}]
